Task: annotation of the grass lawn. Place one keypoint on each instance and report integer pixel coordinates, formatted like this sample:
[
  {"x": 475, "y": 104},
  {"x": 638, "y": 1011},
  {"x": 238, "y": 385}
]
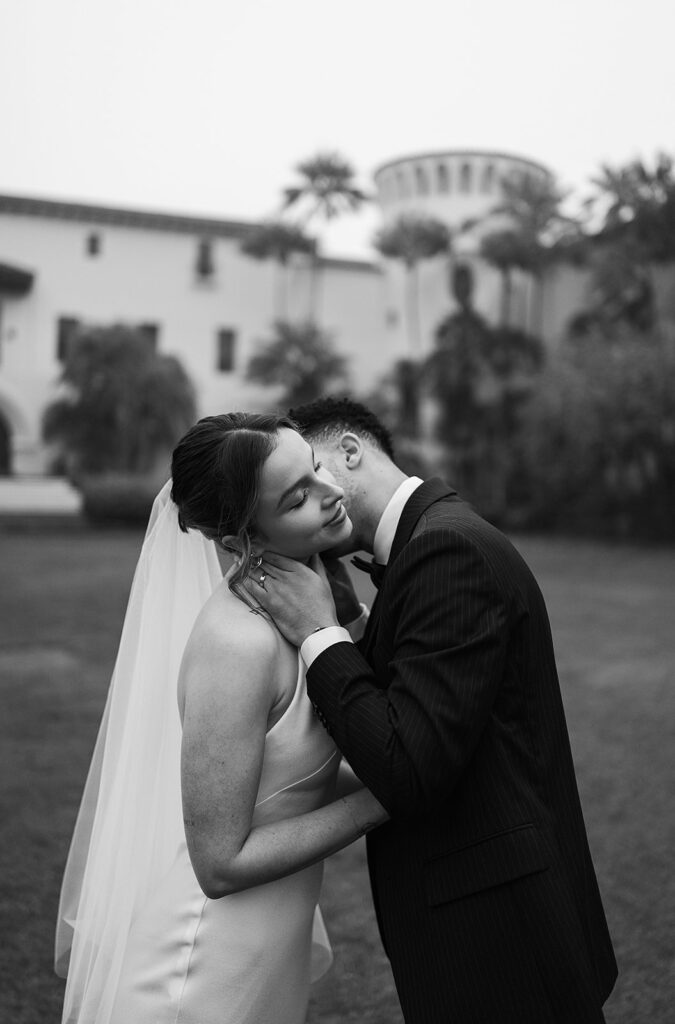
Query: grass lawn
[{"x": 61, "y": 604}]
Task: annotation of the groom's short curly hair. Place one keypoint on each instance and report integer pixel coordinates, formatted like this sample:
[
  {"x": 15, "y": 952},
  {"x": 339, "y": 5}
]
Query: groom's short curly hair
[{"x": 329, "y": 416}]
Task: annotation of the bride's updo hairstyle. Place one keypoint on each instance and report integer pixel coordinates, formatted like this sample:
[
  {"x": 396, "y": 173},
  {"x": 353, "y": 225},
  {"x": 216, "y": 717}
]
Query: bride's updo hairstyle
[{"x": 215, "y": 472}]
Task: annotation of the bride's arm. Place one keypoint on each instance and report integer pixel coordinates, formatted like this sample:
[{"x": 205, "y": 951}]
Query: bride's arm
[{"x": 229, "y": 693}]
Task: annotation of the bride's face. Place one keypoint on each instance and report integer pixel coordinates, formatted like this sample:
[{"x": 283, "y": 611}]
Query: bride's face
[{"x": 300, "y": 510}]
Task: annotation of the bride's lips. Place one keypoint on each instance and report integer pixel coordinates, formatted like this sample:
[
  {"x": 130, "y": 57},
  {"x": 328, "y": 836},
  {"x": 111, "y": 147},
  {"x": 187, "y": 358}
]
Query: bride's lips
[{"x": 339, "y": 517}]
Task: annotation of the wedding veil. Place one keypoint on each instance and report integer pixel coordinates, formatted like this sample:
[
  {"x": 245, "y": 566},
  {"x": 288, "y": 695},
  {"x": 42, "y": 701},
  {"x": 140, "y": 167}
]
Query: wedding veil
[{"x": 130, "y": 821}]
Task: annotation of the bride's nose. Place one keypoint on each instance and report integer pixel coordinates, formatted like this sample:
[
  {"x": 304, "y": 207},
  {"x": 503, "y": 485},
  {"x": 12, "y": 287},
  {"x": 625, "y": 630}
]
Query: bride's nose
[{"x": 333, "y": 492}]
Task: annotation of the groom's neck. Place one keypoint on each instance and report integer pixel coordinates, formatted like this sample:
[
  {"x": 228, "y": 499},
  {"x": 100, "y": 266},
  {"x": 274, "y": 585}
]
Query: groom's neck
[{"x": 378, "y": 488}]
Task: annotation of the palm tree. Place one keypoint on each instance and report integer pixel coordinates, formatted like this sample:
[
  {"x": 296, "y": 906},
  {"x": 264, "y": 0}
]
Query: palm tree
[
  {"x": 538, "y": 233},
  {"x": 636, "y": 208},
  {"x": 326, "y": 189},
  {"x": 302, "y": 359},
  {"x": 639, "y": 202},
  {"x": 278, "y": 240},
  {"x": 503, "y": 250},
  {"x": 411, "y": 239},
  {"x": 124, "y": 406}
]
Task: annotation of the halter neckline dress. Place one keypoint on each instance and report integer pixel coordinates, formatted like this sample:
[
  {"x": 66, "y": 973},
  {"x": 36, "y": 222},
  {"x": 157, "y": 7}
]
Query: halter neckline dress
[{"x": 247, "y": 958}]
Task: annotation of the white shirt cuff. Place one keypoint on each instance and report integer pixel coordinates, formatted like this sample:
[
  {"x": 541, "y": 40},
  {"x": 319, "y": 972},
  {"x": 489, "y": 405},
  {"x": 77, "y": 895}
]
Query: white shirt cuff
[{"x": 316, "y": 643}]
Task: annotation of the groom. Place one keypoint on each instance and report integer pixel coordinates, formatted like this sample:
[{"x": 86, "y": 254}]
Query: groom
[{"x": 449, "y": 710}]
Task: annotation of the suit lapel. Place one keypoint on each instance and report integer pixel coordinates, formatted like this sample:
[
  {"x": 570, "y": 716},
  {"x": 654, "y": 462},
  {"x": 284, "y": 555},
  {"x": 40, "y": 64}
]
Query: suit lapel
[
  {"x": 417, "y": 504},
  {"x": 419, "y": 501}
]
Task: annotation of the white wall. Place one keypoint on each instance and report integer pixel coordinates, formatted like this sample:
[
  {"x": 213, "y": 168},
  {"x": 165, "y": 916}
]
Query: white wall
[{"x": 146, "y": 275}]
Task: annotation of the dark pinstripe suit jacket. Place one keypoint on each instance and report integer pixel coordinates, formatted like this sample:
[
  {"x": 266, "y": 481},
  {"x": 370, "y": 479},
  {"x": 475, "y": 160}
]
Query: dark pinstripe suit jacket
[{"x": 450, "y": 712}]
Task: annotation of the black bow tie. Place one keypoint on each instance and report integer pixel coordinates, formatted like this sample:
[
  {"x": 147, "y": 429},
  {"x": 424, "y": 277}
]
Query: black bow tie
[{"x": 374, "y": 569}]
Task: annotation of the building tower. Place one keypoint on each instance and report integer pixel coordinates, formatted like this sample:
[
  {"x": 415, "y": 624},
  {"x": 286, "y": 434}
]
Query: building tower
[{"x": 459, "y": 188}]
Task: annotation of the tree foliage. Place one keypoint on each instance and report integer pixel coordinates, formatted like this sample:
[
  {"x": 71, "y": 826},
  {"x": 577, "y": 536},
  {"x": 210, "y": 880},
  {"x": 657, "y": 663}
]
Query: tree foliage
[
  {"x": 277, "y": 240},
  {"x": 635, "y": 207},
  {"x": 413, "y": 238},
  {"x": 537, "y": 233},
  {"x": 301, "y": 358},
  {"x": 596, "y": 450},
  {"x": 123, "y": 405},
  {"x": 327, "y": 187},
  {"x": 481, "y": 378}
]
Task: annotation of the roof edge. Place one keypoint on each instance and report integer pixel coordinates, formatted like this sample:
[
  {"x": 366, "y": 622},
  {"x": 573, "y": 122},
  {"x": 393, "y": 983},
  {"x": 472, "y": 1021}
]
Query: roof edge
[
  {"x": 495, "y": 154},
  {"x": 93, "y": 213}
]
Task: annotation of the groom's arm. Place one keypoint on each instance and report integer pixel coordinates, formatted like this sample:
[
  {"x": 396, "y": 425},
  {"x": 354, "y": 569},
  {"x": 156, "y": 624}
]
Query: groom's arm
[{"x": 410, "y": 742}]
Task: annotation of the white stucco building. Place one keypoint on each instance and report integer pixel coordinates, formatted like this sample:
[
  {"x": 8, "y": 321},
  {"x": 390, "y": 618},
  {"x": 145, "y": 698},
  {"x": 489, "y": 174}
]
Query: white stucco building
[
  {"x": 186, "y": 282},
  {"x": 183, "y": 279}
]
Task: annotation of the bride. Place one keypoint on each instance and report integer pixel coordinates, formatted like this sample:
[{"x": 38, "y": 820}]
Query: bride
[{"x": 207, "y": 914}]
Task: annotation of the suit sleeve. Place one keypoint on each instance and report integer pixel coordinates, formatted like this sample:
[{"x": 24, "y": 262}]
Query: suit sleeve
[{"x": 410, "y": 741}]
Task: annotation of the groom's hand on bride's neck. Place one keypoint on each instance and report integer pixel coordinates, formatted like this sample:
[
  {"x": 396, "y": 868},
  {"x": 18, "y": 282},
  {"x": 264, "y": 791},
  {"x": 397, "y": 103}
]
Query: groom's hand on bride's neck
[{"x": 298, "y": 597}]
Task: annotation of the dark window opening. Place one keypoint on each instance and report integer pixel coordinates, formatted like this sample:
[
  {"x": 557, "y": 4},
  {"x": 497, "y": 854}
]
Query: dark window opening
[
  {"x": 93, "y": 244},
  {"x": 421, "y": 180},
  {"x": 488, "y": 178},
  {"x": 226, "y": 346},
  {"x": 66, "y": 335},
  {"x": 402, "y": 183},
  {"x": 443, "y": 178},
  {"x": 5, "y": 447},
  {"x": 465, "y": 178},
  {"x": 205, "y": 266}
]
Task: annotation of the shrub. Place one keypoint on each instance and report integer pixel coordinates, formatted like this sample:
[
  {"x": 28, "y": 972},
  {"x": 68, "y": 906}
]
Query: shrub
[
  {"x": 596, "y": 451},
  {"x": 118, "y": 499}
]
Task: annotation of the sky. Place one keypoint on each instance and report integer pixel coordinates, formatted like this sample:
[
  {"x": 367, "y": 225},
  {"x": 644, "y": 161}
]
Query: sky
[{"x": 206, "y": 106}]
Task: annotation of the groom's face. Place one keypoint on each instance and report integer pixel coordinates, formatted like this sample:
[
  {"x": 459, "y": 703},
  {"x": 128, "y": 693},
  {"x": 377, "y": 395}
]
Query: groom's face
[{"x": 333, "y": 459}]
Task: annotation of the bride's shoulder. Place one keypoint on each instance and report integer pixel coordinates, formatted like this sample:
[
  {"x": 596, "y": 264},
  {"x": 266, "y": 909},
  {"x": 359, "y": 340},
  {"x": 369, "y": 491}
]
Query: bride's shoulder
[
  {"x": 232, "y": 654},
  {"x": 227, "y": 627}
]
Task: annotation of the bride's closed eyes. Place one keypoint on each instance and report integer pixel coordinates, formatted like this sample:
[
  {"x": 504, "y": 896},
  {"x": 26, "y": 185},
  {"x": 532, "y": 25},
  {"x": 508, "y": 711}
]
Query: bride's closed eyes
[{"x": 305, "y": 492}]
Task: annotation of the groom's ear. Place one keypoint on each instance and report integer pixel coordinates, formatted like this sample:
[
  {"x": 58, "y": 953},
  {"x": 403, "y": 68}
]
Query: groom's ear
[{"x": 351, "y": 447}]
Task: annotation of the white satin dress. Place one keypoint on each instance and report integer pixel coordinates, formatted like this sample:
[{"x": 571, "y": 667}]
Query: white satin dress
[{"x": 246, "y": 958}]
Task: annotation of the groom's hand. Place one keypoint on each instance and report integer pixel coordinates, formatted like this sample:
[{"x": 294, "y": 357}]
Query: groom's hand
[{"x": 298, "y": 597}]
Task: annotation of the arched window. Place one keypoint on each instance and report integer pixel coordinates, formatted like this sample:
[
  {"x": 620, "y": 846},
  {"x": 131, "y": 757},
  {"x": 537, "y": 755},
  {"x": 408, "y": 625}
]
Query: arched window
[
  {"x": 443, "y": 178},
  {"x": 421, "y": 181},
  {"x": 465, "y": 178},
  {"x": 488, "y": 177},
  {"x": 402, "y": 185}
]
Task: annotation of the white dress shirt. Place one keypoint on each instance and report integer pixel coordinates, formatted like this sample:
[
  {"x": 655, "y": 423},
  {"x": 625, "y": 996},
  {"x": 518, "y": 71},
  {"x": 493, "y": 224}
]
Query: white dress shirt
[{"x": 316, "y": 643}]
